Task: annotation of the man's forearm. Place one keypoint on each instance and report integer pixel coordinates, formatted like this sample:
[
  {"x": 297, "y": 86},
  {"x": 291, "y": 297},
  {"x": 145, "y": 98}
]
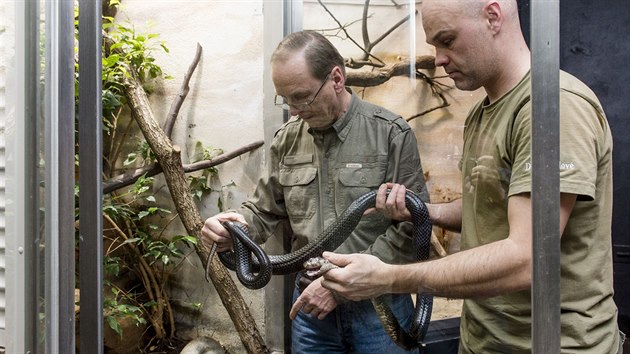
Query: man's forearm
[
  {"x": 496, "y": 268},
  {"x": 447, "y": 215}
]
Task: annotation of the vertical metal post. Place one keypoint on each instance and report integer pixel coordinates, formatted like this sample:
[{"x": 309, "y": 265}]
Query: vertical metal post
[
  {"x": 59, "y": 189},
  {"x": 293, "y": 16},
  {"x": 21, "y": 189},
  {"x": 545, "y": 39},
  {"x": 279, "y": 292},
  {"x": 412, "y": 43},
  {"x": 90, "y": 184}
]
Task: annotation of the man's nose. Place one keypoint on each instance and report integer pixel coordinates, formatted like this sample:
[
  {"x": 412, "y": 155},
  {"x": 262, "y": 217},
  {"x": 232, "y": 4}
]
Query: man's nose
[
  {"x": 440, "y": 58},
  {"x": 294, "y": 111}
]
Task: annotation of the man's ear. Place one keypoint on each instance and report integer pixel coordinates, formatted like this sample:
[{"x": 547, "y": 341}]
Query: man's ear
[
  {"x": 338, "y": 79},
  {"x": 494, "y": 16}
]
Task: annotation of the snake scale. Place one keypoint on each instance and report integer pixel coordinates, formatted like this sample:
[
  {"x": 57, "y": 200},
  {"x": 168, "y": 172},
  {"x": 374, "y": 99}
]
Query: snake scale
[{"x": 254, "y": 267}]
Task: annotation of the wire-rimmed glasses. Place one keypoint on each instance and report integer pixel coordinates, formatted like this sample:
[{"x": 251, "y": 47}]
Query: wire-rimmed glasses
[{"x": 305, "y": 106}]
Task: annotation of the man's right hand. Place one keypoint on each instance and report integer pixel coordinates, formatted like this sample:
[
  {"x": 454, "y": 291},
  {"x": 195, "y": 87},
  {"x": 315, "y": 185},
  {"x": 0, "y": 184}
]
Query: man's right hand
[
  {"x": 214, "y": 232},
  {"x": 394, "y": 204},
  {"x": 358, "y": 276}
]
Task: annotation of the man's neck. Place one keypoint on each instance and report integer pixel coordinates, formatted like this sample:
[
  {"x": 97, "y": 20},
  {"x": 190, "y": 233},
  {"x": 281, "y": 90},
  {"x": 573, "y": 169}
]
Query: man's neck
[{"x": 510, "y": 77}]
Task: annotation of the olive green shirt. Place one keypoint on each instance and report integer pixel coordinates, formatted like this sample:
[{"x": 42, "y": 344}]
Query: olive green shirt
[
  {"x": 498, "y": 136},
  {"x": 315, "y": 175}
]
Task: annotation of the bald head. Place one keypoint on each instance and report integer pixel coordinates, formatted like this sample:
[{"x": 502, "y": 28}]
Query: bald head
[
  {"x": 478, "y": 42},
  {"x": 472, "y": 8}
]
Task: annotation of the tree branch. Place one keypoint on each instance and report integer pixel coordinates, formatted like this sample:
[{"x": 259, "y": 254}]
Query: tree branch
[
  {"x": 169, "y": 158},
  {"x": 381, "y": 75},
  {"x": 383, "y": 71},
  {"x": 181, "y": 95},
  {"x": 368, "y": 54},
  {"x": 128, "y": 179}
]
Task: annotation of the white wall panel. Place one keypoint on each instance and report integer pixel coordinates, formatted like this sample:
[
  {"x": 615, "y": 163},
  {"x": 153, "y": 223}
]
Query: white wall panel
[{"x": 3, "y": 59}]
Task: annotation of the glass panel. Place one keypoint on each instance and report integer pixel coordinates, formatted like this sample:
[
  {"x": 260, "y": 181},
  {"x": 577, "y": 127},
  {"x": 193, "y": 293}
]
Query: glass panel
[
  {"x": 389, "y": 63},
  {"x": 21, "y": 62}
]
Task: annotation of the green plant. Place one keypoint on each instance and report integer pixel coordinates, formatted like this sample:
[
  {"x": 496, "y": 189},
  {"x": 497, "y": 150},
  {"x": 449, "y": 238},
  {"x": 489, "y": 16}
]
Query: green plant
[
  {"x": 116, "y": 310},
  {"x": 200, "y": 181},
  {"x": 137, "y": 253},
  {"x": 138, "y": 257}
]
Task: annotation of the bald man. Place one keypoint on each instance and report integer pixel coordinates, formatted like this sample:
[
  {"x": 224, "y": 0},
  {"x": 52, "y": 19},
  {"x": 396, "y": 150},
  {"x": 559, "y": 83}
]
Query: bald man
[{"x": 480, "y": 45}]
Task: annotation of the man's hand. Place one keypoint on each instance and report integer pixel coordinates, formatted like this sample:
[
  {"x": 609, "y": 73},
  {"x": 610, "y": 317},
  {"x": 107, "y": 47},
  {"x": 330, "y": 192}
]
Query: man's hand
[
  {"x": 314, "y": 300},
  {"x": 359, "y": 277},
  {"x": 486, "y": 173},
  {"x": 214, "y": 232},
  {"x": 394, "y": 205}
]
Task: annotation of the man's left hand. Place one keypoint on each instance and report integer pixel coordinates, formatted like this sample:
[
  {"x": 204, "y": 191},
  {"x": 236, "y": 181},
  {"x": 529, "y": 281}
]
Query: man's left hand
[{"x": 314, "y": 300}]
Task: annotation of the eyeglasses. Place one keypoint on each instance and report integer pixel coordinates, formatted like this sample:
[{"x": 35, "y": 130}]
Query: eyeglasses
[{"x": 306, "y": 106}]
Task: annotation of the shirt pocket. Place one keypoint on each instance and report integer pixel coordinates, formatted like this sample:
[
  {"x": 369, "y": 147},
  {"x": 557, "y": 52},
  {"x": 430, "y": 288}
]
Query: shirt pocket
[
  {"x": 300, "y": 191},
  {"x": 358, "y": 181},
  {"x": 355, "y": 182}
]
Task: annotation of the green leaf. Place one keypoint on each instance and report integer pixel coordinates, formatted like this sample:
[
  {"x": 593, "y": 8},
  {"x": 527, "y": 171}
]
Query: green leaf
[
  {"x": 185, "y": 239},
  {"x": 111, "y": 60},
  {"x": 131, "y": 158},
  {"x": 113, "y": 324},
  {"x": 133, "y": 240}
]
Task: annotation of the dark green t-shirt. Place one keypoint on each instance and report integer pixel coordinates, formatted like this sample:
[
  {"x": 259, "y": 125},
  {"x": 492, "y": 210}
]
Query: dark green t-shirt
[{"x": 497, "y": 137}]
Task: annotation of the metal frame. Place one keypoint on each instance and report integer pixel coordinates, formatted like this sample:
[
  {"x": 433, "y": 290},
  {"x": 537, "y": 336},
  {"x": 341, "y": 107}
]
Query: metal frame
[
  {"x": 278, "y": 293},
  {"x": 21, "y": 305},
  {"x": 22, "y": 254},
  {"x": 59, "y": 187},
  {"x": 90, "y": 184},
  {"x": 545, "y": 40}
]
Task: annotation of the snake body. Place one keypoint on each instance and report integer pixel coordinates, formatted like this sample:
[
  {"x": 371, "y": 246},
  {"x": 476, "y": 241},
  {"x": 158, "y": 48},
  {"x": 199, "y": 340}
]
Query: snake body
[{"x": 255, "y": 271}]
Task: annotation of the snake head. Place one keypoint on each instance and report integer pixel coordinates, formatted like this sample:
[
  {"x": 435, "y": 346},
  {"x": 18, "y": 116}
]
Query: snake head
[{"x": 316, "y": 266}]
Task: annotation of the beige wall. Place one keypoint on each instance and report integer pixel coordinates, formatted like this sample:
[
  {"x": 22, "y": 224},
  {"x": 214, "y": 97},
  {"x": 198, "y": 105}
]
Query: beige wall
[
  {"x": 225, "y": 104},
  {"x": 222, "y": 110}
]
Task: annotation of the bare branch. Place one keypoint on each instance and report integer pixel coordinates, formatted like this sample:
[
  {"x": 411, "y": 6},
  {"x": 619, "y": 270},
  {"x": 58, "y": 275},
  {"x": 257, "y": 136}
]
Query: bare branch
[
  {"x": 384, "y": 71},
  {"x": 343, "y": 28},
  {"x": 181, "y": 96},
  {"x": 128, "y": 179},
  {"x": 382, "y": 75},
  {"x": 444, "y": 104},
  {"x": 364, "y": 29},
  {"x": 398, "y": 24}
]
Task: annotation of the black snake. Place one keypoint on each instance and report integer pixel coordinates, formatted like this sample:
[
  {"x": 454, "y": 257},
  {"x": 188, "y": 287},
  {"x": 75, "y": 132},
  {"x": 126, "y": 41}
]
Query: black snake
[{"x": 254, "y": 272}]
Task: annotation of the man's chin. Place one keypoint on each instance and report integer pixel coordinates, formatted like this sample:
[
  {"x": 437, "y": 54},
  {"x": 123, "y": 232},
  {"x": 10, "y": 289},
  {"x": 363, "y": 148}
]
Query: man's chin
[
  {"x": 316, "y": 122},
  {"x": 466, "y": 85}
]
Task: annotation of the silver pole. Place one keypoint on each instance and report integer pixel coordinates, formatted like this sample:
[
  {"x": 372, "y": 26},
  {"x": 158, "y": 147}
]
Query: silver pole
[
  {"x": 90, "y": 184},
  {"x": 545, "y": 39},
  {"x": 22, "y": 231},
  {"x": 280, "y": 289},
  {"x": 293, "y": 15},
  {"x": 59, "y": 142}
]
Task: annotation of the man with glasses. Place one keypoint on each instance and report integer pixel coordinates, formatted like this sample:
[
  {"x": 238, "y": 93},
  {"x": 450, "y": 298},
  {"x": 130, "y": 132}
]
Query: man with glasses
[{"x": 335, "y": 148}]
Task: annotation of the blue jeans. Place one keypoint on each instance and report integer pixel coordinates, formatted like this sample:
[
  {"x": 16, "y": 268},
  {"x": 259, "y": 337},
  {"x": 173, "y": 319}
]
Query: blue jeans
[{"x": 352, "y": 327}]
